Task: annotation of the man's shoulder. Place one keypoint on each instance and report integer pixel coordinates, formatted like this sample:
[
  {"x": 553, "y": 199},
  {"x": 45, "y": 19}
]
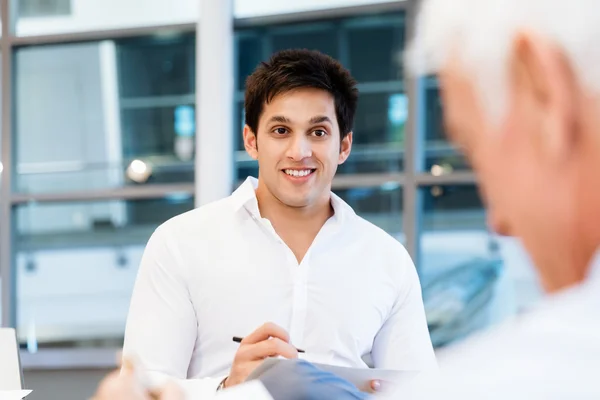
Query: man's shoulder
[
  {"x": 516, "y": 358},
  {"x": 376, "y": 237},
  {"x": 551, "y": 351},
  {"x": 382, "y": 252},
  {"x": 201, "y": 218},
  {"x": 558, "y": 327}
]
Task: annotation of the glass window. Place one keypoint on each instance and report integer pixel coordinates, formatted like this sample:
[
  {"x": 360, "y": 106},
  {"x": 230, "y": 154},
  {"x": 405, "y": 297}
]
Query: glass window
[
  {"x": 375, "y": 48},
  {"x": 37, "y": 8},
  {"x": 157, "y": 66},
  {"x": 464, "y": 285},
  {"x": 315, "y": 36},
  {"x": 379, "y": 129},
  {"x": 438, "y": 151},
  {"x": 380, "y": 205},
  {"x": 65, "y": 16},
  {"x": 250, "y": 52},
  {"x": 239, "y": 121},
  {"x": 76, "y": 263},
  {"x": 105, "y": 114}
]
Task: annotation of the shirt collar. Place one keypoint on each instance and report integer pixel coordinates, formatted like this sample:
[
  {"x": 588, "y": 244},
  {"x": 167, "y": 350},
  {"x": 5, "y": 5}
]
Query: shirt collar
[
  {"x": 594, "y": 269},
  {"x": 245, "y": 197}
]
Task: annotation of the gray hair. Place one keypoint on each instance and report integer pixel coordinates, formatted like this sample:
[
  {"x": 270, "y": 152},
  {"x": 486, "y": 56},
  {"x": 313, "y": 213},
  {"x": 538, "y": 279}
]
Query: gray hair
[{"x": 480, "y": 33}]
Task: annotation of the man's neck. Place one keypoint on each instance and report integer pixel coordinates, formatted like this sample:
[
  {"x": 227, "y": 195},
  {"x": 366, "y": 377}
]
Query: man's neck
[{"x": 281, "y": 215}]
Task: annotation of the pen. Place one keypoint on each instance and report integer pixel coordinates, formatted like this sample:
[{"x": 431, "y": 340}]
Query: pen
[{"x": 239, "y": 340}]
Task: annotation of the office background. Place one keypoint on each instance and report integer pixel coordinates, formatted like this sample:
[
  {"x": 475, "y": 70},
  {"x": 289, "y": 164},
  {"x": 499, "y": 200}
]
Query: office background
[{"x": 100, "y": 143}]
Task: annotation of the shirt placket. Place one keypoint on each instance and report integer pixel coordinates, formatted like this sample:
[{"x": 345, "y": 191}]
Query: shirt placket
[
  {"x": 300, "y": 292},
  {"x": 299, "y": 301},
  {"x": 299, "y": 274},
  {"x": 299, "y": 281}
]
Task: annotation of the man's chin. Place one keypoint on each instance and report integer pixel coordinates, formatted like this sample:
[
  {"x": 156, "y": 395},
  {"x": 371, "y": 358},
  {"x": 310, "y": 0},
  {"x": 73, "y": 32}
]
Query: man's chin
[
  {"x": 296, "y": 203},
  {"x": 294, "y": 200}
]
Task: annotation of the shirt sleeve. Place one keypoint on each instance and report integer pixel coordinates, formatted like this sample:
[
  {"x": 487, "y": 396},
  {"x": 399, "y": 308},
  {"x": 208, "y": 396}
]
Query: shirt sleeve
[
  {"x": 403, "y": 342},
  {"x": 162, "y": 326}
]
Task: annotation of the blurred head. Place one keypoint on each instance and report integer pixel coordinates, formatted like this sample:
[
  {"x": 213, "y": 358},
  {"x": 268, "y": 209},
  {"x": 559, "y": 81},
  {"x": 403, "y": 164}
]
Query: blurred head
[
  {"x": 300, "y": 108},
  {"x": 520, "y": 85}
]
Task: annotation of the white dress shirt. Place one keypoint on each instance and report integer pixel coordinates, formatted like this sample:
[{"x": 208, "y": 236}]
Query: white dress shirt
[
  {"x": 221, "y": 271},
  {"x": 552, "y": 352}
]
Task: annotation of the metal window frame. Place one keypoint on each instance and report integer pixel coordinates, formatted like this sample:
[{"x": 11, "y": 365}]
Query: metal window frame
[{"x": 412, "y": 179}]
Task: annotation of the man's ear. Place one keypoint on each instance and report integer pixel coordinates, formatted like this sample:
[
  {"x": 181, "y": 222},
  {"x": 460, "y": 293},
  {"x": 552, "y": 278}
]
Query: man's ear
[
  {"x": 345, "y": 148},
  {"x": 250, "y": 143},
  {"x": 542, "y": 78}
]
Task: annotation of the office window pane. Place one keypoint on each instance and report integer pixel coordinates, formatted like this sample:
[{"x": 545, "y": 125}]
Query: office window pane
[
  {"x": 42, "y": 17},
  {"x": 239, "y": 120},
  {"x": 379, "y": 130},
  {"x": 375, "y": 48},
  {"x": 76, "y": 264},
  {"x": 250, "y": 51},
  {"x": 104, "y": 114},
  {"x": 380, "y": 205},
  {"x": 464, "y": 285},
  {"x": 247, "y": 167},
  {"x": 438, "y": 151},
  {"x": 322, "y": 37},
  {"x": 157, "y": 66}
]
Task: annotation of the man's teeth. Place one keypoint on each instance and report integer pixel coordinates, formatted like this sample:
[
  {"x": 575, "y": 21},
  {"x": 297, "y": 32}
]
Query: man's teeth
[{"x": 296, "y": 172}]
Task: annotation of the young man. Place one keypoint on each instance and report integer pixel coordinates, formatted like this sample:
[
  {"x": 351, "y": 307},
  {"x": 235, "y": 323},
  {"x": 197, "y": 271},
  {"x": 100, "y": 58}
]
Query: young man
[
  {"x": 521, "y": 89},
  {"x": 282, "y": 254}
]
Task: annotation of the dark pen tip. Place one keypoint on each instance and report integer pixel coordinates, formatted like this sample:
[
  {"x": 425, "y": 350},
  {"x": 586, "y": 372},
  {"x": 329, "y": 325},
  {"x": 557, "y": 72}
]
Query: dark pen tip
[{"x": 238, "y": 339}]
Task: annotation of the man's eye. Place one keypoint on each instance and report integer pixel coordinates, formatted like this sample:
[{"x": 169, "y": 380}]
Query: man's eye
[
  {"x": 281, "y": 131},
  {"x": 319, "y": 133}
]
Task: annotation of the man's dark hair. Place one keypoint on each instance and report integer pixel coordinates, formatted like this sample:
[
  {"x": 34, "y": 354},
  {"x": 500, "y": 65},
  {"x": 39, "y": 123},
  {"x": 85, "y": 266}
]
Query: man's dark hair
[{"x": 298, "y": 69}]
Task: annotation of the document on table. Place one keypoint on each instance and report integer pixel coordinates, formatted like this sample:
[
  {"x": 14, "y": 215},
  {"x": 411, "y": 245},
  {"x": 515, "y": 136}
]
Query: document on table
[
  {"x": 13, "y": 394},
  {"x": 359, "y": 377}
]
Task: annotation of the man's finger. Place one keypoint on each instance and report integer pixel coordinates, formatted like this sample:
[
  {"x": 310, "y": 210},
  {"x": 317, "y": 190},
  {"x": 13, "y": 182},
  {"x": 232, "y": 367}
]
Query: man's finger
[
  {"x": 127, "y": 366},
  {"x": 268, "y": 330},
  {"x": 376, "y": 385},
  {"x": 171, "y": 392},
  {"x": 273, "y": 347},
  {"x": 115, "y": 387}
]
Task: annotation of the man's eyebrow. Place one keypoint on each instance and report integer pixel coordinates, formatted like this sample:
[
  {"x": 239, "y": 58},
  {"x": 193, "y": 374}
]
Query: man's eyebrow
[
  {"x": 319, "y": 119},
  {"x": 280, "y": 118}
]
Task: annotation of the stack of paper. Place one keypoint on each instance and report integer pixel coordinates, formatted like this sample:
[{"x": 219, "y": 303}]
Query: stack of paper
[
  {"x": 13, "y": 394},
  {"x": 360, "y": 377},
  {"x": 10, "y": 368}
]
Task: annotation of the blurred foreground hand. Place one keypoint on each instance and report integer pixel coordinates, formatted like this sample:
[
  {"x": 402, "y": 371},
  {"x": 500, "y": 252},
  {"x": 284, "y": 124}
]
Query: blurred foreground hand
[{"x": 125, "y": 385}]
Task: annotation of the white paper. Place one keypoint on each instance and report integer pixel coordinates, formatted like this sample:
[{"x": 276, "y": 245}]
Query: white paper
[
  {"x": 13, "y": 394},
  {"x": 359, "y": 377},
  {"x": 10, "y": 368}
]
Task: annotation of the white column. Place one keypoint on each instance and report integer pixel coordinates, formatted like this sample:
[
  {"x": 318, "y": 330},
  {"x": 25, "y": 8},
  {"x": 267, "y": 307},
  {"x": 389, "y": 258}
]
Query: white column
[{"x": 214, "y": 101}]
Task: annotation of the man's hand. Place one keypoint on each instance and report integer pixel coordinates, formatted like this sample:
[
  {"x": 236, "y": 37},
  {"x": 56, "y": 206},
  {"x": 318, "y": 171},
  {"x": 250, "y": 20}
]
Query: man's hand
[
  {"x": 123, "y": 385},
  {"x": 269, "y": 340}
]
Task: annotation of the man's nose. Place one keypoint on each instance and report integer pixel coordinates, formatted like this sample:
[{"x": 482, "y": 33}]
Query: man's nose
[{"x": 299, "y": 148}]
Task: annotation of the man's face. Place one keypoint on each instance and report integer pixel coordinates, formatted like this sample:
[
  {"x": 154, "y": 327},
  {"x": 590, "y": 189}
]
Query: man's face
[
  {"x": 525, "y": 164},
  {"x": 469, "y": 129},
  {"x": 298, "y": 146}
]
